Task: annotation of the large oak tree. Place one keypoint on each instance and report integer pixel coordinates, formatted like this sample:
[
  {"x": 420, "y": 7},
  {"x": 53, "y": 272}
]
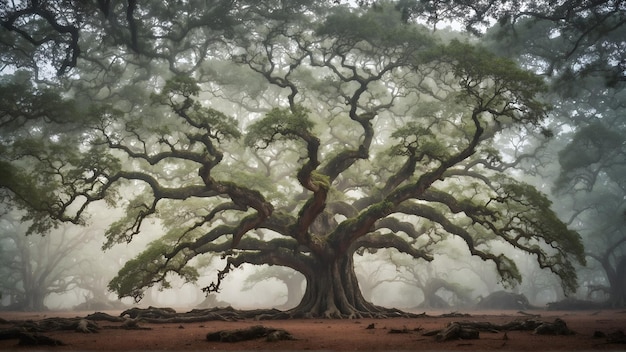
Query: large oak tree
[{"x": 294, "y": 136}]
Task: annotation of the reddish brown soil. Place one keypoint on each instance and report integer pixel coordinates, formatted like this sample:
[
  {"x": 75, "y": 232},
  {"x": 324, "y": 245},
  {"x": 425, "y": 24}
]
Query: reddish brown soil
[{"x": 322, "y": 334}]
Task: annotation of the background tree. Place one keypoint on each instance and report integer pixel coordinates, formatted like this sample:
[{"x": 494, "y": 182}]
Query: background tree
[
  {"x": 424, "y": 285},
  {"x": 34, "y": 267},
  {"x": 293, "y": 281},
  {"x": 353, "y": 130},
  {"x": 593, "y": 166}
]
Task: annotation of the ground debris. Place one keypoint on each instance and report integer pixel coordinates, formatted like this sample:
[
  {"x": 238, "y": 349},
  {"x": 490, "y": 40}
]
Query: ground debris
[
  {"x": 471, "y": 329},
  {"x": 86, "y": 327},
  {"x": 251, "y": 333},
  {"x": 616, "y": 337},
  {"x": 575, "y": 304},
  {"x": 456, "y": 331},
  {"x": 132, "y": 324},
  {"x": 27, "y": 339},
  {"x": 558, "y": 327},
  {"x": 455, "y": 315},
  {"x": 404, "y": 330},
  {"x": 99, "y": 316},
  {"x": 529, "y": 314}
]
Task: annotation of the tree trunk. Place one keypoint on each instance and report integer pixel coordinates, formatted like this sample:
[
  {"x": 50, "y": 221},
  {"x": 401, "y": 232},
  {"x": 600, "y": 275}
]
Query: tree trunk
[
  {"x": 294, "y": 290},
  {"x": 333, "y": 292},
  {"x": 618, "y": 283},
  {"x": 34, "y": 301}
]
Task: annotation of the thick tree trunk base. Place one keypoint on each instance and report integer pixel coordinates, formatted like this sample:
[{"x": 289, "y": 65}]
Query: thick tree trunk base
[{"x": 350, "y": 313}]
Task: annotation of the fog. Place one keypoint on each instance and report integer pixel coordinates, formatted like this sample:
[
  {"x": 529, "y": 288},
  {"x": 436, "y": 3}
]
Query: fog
[{"x": 386, "y": 278}]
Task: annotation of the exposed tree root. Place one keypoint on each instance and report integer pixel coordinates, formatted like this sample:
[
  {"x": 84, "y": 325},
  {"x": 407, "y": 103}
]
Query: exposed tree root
[
  {"x": 168, "y": 315},
  {"x": 29, "y": 332},
  {"x": 56, "y": 324}
]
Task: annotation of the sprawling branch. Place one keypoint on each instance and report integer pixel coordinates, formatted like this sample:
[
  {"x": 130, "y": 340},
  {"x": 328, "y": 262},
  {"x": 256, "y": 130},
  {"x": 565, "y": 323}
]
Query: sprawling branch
[
  {"x": 391, "y": 240},
  {"x": 505, "y": 267},
  {"x": 274, "y": 257}
]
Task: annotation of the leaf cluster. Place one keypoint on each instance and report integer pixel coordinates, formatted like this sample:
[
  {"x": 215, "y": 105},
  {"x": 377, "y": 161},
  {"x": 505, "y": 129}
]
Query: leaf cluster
[
  {"x": 150, "y": 267},
  {"x": 279, "y": 124}
]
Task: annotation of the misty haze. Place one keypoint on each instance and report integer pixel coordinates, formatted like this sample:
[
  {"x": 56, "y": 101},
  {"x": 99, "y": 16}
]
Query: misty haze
[{"x": 305, "y": 163}]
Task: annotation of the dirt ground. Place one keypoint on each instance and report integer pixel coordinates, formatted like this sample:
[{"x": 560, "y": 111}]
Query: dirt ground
[{"x": 341, "y": 335}]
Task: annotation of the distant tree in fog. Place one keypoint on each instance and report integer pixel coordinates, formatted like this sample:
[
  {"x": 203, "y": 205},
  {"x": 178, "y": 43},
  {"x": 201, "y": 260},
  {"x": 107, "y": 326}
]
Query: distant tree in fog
[
  {"x": 593, "y": 177},
  {"x": 35, "y": 266},
  {"x": 293, "y": 281}
]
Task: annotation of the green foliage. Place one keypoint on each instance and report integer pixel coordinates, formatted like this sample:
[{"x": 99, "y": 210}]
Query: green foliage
[
  {"x": 416, "y": 139},
  {"x": 218, "y": 123},
  {"x": 496, "y": 83},
  {"x": 24, "y": 104},
  {"x": 124, "y": 229},
  {"x": 182, "y": 85},
  {"x": 178, "y": 93},
  {"x": 151, "y": 267},
  {"x": 380, "y": 25},
  {"x": 279, "y": 124},
  {"x": 535, "y": 227}
]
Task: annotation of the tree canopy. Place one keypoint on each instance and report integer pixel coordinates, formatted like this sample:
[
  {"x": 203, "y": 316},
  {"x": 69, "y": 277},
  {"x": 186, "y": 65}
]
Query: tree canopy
[{"x": 272, "y": 133}]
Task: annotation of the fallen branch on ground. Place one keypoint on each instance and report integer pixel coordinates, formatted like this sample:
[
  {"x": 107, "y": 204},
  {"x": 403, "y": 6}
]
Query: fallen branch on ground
[
  {"x": 251, "y": 333},
  {"x": 471, "y": 330}
]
